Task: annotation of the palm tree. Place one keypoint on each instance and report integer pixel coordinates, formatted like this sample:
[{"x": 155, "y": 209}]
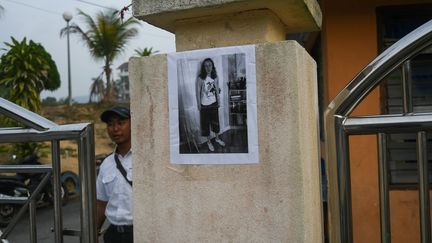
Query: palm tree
[
  {"x": 145, "y": 52},
  {"x": 106, "y": 37},
  {"x": 97, "y": 89}
]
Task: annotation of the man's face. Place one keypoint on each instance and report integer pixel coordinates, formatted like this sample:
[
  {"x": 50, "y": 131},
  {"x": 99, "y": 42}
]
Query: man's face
[{"x": 119, "y": 130}]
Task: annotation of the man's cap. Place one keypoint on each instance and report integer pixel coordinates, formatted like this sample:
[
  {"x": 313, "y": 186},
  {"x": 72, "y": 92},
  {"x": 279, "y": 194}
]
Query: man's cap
[{"x": 120, "y": 111}]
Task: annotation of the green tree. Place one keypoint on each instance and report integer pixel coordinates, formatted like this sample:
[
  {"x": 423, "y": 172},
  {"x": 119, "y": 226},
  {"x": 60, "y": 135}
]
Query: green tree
[
  {"x": 25, "y": 70},
  {"x": 145, "y": 52},
  {"x": 49, "y": 101},
  {"x": 106, "y": 36},
  {"x": 97, "y": 89}
]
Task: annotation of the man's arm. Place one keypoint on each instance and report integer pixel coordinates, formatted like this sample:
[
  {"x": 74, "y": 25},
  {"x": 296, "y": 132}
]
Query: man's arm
[{"x": 100, "y": 213}]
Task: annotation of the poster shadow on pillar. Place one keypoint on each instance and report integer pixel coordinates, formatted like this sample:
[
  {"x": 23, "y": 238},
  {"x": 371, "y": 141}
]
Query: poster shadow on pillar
[{"x": 212, "y": 106}]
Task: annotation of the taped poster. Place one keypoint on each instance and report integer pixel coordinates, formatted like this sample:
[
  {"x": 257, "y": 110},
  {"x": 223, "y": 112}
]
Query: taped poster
[{"x": 212, "y": 106}]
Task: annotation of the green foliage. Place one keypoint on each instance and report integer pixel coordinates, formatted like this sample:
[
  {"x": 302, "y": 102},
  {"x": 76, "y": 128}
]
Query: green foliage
[
  {"x": 22, "y": 150},
  {"x": 97, "y": 89},
  {"x": 49, "y": 101},
  {"x": 106, "y": 37},
  {"x": 6, "y": 122},
  {"x": 145, "y": 52},
  {"x": 52, "y": 81},
  {"x": 25, "y": 70},
  {"x": 3, "y": 91}
]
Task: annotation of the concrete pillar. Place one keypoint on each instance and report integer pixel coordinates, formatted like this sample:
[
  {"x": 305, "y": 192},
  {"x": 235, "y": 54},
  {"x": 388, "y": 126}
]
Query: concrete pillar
[
  {"x": 216, "y": 23},
  {"x": 277, "y": 200},
  {"x": 256, "y": 26}
]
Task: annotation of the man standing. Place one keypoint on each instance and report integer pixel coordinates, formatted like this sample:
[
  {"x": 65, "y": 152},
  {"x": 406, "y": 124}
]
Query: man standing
[{"x": 114, "y": 182}]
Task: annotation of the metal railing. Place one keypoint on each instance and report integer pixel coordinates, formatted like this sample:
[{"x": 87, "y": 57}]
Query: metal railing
[
  {"x": 339, "y": 126},
  {"x": 28, "y": 202},
  {"x": 39, "y": 129}
]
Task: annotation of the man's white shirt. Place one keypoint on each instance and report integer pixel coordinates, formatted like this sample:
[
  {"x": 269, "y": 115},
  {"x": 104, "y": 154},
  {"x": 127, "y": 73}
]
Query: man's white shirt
[{"x": 112, "y": 187}]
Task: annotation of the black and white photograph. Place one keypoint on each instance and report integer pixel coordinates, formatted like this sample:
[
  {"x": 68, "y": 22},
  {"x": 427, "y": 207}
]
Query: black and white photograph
[{"x": 212, "y": 106}]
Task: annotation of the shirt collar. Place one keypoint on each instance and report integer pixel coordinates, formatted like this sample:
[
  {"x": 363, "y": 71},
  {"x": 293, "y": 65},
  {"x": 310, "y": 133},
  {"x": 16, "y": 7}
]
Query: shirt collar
[{"x": 127, "y": 154}]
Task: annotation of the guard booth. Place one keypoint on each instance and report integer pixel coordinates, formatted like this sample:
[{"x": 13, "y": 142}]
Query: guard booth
[
  {"x": 38, "y": 129},
  {"x": 411, "y": 126}
]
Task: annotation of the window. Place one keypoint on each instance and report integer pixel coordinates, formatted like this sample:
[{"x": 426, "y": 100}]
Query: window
[{"x": 406, "y": 90}]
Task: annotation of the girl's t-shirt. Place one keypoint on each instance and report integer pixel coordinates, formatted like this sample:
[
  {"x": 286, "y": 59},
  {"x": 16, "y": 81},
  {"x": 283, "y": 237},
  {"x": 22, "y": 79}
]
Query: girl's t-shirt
[{"x": 208, "y": 91}]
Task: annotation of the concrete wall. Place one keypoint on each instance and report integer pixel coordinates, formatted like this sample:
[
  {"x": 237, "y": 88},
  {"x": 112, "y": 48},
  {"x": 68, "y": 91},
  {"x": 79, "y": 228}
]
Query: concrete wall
[{"x": 277, "y": 200}]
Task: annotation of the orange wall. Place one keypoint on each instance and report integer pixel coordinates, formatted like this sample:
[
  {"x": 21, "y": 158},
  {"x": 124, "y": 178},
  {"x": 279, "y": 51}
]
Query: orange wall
[{"x": 349, "y": 41}]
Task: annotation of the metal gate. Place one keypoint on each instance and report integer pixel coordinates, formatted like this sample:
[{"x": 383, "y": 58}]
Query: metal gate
[
  {"x": 38, "y": 129},
  {"x": 339, "y": 125}
]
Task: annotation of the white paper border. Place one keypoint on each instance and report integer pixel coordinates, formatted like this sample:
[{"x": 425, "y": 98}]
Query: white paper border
[{"x": 252, "y": 157}]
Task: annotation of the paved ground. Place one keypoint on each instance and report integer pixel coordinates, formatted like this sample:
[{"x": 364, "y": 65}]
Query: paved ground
[{"x": 45, "y": 221}]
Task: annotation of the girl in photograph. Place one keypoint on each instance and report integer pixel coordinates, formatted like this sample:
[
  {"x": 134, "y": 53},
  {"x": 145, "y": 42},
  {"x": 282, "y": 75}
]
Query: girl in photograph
[{"x": 208, "y": 101}]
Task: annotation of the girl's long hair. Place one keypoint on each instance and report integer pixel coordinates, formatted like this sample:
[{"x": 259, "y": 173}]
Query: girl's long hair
[{"x": 203, "y": 73}]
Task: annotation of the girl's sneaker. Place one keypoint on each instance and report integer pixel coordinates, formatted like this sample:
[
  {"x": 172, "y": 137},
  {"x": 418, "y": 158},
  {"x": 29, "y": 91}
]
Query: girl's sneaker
[
  {"x": 210, "y": 146},
  {"x": 220, "y": 142}
]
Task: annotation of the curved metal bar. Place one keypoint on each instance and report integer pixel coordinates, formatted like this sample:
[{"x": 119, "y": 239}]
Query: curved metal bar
[
  {"x": 60, "y": 132},
  {"x": 340, "y": 225},
  {"x": 24, "y": 116},
  {"x": 380, "y": 67}
]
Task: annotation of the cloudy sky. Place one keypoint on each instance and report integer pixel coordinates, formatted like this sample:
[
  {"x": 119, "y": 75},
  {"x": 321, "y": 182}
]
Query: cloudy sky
[{"x": 41, "y": 21}]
